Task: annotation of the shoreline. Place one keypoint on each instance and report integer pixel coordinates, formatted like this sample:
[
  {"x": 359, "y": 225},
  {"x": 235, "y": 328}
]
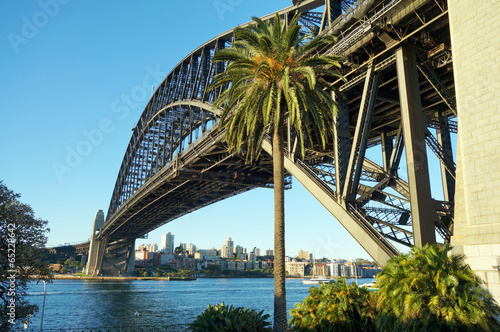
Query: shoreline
[{"x": 104, "y": 278}]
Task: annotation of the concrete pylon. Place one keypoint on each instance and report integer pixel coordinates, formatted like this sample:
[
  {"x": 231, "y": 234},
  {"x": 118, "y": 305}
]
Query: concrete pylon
[
  {"x": 109, "y": 257},
  {"x": 474, "y": 30},
  {"x": 94, "y": 245}
]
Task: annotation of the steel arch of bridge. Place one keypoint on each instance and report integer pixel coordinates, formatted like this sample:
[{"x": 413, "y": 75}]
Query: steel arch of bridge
[
  {"x": 180, "y": 108},
  {"x": 176, "y": 161}
]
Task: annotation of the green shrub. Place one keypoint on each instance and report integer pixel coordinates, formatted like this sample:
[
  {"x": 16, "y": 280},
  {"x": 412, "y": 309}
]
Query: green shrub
[
  {"x": 430, "y": 290},
  {"x": 221, "y": 318},
  {"x": 335, "y": 306}
]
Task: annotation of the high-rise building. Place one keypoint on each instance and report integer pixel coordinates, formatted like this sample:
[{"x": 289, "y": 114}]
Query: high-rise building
[
  {"x": 269, "y": 252},
  {"x": 192, "y": 249},
  {"x": 304, "y": 255},
  {"x": 227, "y": 249},
  {"x": 238, "y": 249},
  {"x": 167, "y": 243}
]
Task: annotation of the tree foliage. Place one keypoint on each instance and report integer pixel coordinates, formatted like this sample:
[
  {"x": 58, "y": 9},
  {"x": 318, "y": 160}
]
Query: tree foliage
[
  {"x": 221, "y": 318},
  {"x": 23, "y": 238},
  {"x": 335, "y": 306},
  {"x": 273, "y": 75},
  {"x": 431, "y": 290}
]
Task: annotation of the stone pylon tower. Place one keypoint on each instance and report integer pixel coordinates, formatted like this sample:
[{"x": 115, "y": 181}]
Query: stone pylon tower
[
  {"x": 474, "y": 27},
  {"x": 93, "y": 250}
]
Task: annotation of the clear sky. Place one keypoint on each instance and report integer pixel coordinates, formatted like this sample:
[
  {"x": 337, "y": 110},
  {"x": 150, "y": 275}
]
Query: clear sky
[{"x": 66, "y": 66}]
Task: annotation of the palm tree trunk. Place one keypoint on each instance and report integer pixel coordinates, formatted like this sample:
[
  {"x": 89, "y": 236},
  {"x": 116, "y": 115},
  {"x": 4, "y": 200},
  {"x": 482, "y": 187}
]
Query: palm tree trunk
[{"x": 280, "y": 317}]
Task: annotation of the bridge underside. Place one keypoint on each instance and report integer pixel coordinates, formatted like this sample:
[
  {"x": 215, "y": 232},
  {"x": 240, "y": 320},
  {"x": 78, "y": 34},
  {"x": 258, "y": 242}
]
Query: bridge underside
[{"x": 398, "y": 105}]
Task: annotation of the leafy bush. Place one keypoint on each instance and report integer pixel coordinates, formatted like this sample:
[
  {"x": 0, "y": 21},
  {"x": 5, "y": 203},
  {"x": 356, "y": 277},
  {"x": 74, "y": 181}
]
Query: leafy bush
[
  {"x": 430, "y": 290},
  {"x": 335, "y": 306},
  {"x": 221, "y": 318}
]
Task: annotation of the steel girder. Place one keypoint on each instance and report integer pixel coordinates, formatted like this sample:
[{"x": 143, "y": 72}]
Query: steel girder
[
  {"x": 176, "y": 161},
  {"x": 180, "y": 110}
]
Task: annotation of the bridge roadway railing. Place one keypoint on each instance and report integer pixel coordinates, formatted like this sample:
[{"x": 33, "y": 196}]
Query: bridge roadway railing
[{"x": 200, "y": 146}]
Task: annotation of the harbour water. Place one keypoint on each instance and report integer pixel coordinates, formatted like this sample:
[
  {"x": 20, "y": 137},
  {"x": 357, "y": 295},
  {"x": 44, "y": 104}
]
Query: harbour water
[{"x": 99, "y": 304}]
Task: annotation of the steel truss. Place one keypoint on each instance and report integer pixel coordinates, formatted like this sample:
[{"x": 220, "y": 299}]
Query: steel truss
[{"x": 176, "y": 161}]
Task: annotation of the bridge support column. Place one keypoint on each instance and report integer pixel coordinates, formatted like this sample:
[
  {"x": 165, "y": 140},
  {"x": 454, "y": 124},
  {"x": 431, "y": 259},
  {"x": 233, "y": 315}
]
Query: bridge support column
[
  {"x": 94, "y": 251},
  {"x": 423, "y": 212},
  {"x": 117, "y": 258},
  {"x": 477, "y": 209}
]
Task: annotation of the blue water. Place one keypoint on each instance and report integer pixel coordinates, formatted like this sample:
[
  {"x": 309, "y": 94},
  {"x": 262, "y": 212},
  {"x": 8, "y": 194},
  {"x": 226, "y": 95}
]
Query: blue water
[{"x": 80, "y": 304}]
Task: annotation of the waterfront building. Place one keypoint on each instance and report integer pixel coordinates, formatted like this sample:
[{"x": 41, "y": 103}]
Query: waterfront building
[
  {"x": 166, "y": 259},
  {"x": 335, "y": 269},
  {"x": 141, "y": 258},
  {"x": 240, "y": 265},
  {"x": 321, "y": 270},
  {"x": 167, "y": 243},
  {"x": 347, "y": 270},
  {"x": 295, "y": 269},
  {"x": 231, "y": 265}
]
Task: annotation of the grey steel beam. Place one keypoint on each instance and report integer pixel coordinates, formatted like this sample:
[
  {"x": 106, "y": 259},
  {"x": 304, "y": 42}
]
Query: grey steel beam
[
  {"x": 374, "y": 244},
  {"x": 387, "y": 147},
  {"x": 444, "y": 139},
  {"x": 412, "y": 117},
  {"x": 361, "y": 134},
  {"x": 342, "y": 145}
]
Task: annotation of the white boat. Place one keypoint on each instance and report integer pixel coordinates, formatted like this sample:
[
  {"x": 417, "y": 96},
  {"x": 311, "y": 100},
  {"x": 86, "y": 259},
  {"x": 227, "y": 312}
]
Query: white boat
[
  {"x": 316, "y": 281},
  {"x": 370, "y": 286}
]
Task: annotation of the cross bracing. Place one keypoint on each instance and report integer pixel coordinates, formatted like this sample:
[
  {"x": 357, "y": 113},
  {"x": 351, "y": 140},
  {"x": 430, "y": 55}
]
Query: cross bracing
[{"x": 177, "y": 162}]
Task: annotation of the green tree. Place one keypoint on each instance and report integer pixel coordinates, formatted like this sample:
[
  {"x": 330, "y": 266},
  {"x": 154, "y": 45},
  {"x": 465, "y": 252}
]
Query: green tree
[
  {"x": 432, "y": 290},
  {"x": 220, "y": 318},
  {"x": 335, "y": 306},
  {"x": 22, "y": 239},
  {"x": 213, "y": 270},
  {"x": 273, "y": 75},
  {"x": 185, "y": 272}
]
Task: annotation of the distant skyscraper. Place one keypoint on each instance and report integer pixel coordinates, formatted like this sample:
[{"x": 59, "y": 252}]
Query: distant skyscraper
[
  {"x": 238, "y": 249},
  {"x": 192, "y": 249},
  {"x": 228, "y": 248},
  {"x": 269, "y": 252},
  {"x": 167, "y": 243}
]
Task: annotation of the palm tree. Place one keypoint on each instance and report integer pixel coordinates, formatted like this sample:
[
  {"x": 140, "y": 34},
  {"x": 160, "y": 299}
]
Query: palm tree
[
  {"x": 273, "y": 75},
  {"x": 430, "y": 290}
]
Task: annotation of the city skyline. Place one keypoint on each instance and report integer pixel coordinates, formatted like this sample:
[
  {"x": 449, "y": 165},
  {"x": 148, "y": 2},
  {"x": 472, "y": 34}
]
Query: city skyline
[{"x": 229, "y": 243}]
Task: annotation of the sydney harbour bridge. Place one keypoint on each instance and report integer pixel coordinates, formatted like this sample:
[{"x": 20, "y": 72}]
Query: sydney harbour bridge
[{"x": 397, "y": 111}]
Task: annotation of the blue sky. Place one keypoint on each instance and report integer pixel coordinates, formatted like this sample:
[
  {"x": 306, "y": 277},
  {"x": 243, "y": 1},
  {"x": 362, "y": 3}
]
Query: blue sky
[{"x": 66, "y": 67}]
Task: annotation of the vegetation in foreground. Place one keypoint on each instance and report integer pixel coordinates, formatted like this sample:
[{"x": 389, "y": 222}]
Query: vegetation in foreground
[
  {"x": 425, "y": 290},
  {"x": 335, "y": 306},
  {"x": 431, "y": 290},
  {"x": 220, "y": 318},
  {"x": 22, "y": 239}
]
